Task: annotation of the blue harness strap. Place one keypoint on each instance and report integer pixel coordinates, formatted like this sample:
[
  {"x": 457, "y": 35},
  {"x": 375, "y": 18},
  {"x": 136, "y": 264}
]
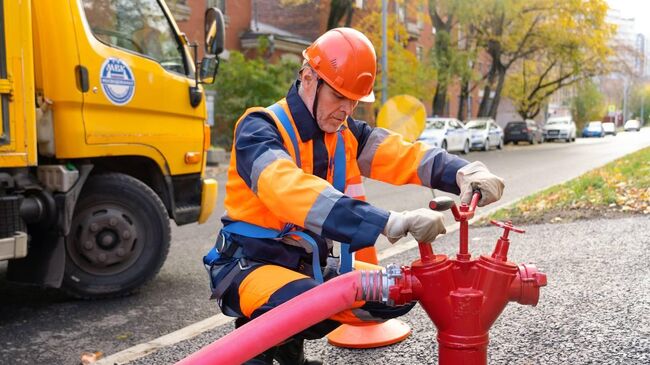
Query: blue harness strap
[
  {"x": 279, "y": 112},
  {"x": 253, "y": 231}
]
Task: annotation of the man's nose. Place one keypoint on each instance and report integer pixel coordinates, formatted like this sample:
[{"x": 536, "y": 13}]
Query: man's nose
[{"x": 348, "y": 106}]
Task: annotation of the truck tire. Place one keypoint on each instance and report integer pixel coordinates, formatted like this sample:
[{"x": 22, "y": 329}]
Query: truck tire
[{"x": 119, "y": 238}]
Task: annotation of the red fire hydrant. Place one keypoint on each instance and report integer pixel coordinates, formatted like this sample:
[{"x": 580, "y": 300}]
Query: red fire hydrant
[{"x": 464, "y": 297}]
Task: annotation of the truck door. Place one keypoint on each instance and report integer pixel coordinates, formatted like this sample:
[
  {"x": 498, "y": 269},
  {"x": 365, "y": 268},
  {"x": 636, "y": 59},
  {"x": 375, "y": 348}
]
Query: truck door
[
  {"x": 139, "y": 75},
  {"x": 5, "y": 86},
  {"x": 17, "y": 108}
]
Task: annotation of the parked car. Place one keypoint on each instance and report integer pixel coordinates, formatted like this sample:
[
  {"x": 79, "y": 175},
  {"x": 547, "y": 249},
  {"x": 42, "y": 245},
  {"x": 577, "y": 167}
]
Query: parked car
[
  {"x": 609, "y": 128},
  {"x": 593, "y": 129},
  {"x": 485, "y": 133},
  {"x": 527, "y": 130},
  {"x": 560, "y": 128},
  {"x": 632, "y": 125},
  {"x": 446, "y": 133}
]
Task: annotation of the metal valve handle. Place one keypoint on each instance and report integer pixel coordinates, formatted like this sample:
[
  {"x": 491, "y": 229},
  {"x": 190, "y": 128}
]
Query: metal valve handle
[{"x": 507, "y": 226}]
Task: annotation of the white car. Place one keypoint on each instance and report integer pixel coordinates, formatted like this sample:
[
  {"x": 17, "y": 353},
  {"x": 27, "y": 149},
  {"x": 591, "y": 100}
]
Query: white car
[
  {"x": 484, "y": 134},
  {"x": 632, "y": 125},
  {"x": 609, "y": 128},
  {"x": 560, "y": 128},
  {"x": 446, "y": 133}
]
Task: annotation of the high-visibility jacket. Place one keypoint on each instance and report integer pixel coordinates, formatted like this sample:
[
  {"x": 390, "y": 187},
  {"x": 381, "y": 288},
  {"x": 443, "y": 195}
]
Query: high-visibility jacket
[{"x": 266, "y": 188}]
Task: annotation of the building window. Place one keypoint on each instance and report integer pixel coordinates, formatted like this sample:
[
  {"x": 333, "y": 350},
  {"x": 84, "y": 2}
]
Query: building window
[
  {"x": 219, "y": 4},
  {"x": 401, "y": 12},
  {"x": 418, "y": 52}
]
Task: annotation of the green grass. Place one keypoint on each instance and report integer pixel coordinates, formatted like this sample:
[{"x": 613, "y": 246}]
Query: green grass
[{"x": 621, "y": 186}]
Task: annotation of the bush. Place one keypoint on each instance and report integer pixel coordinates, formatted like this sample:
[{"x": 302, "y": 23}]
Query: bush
[{"x": 242, "y": 84}]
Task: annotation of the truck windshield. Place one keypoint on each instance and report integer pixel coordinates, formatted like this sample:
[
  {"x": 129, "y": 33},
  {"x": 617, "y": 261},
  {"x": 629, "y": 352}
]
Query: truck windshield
[{"x": 139, "y": 26}]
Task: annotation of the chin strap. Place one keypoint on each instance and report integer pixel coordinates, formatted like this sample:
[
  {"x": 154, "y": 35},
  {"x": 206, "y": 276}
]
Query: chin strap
[{"x": 314, "y": 106}]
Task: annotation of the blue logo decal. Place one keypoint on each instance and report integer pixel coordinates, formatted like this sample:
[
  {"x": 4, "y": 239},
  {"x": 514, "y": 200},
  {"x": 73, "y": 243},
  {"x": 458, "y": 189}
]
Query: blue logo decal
[{"x": 117, "y": 81}]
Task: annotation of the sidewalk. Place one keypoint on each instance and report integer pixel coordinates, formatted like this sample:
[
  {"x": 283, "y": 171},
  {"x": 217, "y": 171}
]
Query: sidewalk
[{"x": 595, "y": 309}]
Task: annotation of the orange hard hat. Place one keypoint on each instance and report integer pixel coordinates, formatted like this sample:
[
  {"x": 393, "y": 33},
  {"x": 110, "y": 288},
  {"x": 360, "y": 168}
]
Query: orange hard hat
[{"x": 346, "y": 60}]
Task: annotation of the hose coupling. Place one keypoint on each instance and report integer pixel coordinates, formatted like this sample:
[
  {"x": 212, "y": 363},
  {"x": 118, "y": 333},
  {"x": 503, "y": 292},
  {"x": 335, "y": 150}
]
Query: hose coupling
[{"x": 376, "y": 284}]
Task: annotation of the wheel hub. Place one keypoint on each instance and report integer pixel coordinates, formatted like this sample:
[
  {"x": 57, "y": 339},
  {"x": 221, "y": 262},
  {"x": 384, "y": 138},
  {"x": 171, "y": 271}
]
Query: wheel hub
[{"x": 105, "y": 241}]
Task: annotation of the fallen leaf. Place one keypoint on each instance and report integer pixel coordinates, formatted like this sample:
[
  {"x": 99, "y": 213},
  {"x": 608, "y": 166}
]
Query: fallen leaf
[{"x": 90, "y": 357}]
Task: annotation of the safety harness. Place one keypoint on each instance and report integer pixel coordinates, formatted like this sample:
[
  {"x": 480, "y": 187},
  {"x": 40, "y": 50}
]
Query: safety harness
[{"x": 223, "y": 249}]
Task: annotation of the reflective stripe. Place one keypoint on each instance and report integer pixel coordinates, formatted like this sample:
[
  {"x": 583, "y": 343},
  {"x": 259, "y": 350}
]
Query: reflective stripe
[
  {"x": 425, "y": 170},
  {"x": 321, "y": 209},
  {"x": 376, "y": 137},
  {"x": 355, "y": 190},
  {"x": 262, "y": 162}
]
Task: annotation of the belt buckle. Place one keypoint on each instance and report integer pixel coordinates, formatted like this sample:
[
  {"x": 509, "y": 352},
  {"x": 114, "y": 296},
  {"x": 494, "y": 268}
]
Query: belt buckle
[{"x": 243, "y": 264}]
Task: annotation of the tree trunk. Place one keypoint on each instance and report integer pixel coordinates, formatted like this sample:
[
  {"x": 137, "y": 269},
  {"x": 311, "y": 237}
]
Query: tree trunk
[
  {"x": 484, "y": 106},
  {"x": 497, "y": 93},
  {"x": 338, "y": 10},
  {"x": 440, "y": 100},
  {"x": 462, "y": 100}
]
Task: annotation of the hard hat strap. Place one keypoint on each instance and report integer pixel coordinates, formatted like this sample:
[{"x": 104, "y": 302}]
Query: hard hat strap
[{"x": 314, "y": 106}]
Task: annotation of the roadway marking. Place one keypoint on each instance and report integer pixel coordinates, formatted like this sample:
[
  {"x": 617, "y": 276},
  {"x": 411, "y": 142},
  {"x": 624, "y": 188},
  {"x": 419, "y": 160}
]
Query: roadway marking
[
  {"x": 193, "y": 330},
  {"x": 150, "y": 347}
]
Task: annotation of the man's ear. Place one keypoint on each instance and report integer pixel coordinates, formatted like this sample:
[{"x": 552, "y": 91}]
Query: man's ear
[{"x": 308, "y": 79}]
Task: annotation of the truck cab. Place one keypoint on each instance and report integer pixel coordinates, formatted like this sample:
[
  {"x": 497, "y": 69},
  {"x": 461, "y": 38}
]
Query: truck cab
[{"x": 104, "y": 140}]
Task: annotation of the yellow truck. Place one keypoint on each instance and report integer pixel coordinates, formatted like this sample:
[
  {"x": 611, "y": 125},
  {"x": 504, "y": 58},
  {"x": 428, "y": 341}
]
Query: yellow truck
[{"x": 103, "y": 139}]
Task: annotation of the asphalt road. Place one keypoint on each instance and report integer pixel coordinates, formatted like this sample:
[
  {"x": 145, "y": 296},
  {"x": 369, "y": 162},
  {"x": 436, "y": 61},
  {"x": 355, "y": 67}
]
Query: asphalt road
[
  {"x": 594, "y": 310},
  {"x": 44, "y": 326}
]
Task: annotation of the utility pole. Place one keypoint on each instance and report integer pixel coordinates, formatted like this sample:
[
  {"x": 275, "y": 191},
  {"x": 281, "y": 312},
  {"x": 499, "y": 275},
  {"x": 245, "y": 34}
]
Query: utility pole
[
  {"x": 384, "y": 51},
  {"x": 625, "y": 87}
]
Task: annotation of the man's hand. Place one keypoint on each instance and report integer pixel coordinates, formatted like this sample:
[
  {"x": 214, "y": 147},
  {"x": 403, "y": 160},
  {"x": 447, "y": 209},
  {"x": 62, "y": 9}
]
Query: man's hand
[
  {"x": 423, "y": 224},
  {"x": 476, "y": 176}
]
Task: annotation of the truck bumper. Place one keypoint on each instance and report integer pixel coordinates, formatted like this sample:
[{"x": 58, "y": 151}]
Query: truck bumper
[
  {"x": 13, "y": 247},
  {"x": 208, "y": 199}
]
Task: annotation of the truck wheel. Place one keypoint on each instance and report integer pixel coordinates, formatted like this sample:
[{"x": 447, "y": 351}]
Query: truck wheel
[{"x": 118, "y": 240}]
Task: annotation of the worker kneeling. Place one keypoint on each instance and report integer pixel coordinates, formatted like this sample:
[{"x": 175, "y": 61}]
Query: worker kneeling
[{"x": 294, "y": 186}]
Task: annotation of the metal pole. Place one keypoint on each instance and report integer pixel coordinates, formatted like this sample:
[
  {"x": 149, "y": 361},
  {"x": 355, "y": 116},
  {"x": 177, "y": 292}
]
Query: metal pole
[
  {"x": 384, "y": 51},
  {"x": 625, "y": 99}
]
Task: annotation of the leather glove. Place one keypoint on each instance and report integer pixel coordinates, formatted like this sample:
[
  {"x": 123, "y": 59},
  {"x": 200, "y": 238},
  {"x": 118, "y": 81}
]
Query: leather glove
[
  {"x": 423, "y": 224},
  {"x": 476, "y": 176}
]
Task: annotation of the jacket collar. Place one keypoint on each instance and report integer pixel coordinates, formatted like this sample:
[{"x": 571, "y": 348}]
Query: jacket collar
[{"x": 305, "y": 122}]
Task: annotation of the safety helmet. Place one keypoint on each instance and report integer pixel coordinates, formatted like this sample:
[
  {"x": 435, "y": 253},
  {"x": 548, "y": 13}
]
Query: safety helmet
[{"x": 345, "y": 59}]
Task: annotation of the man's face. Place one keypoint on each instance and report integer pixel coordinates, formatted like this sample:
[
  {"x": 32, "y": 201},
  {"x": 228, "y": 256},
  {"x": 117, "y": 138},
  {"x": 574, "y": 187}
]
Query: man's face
[{"x": 333, "y": 108}]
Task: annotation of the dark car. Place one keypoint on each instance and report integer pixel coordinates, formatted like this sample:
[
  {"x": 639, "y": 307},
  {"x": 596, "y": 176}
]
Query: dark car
[{"x": 526, "y": 130}]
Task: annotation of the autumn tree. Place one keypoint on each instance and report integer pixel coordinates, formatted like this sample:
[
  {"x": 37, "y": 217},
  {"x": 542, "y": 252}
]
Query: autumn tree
[
  {"x": 588, "y": 104},
  {"x": 407, "y": 74},
  {"x": 579, "y": 52}
]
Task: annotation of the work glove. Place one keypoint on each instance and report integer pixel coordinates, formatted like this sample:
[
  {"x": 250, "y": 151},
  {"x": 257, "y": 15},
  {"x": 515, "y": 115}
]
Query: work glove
[
  {"x": 476, "y": 176},
  {"x": 423, "y": 224}
]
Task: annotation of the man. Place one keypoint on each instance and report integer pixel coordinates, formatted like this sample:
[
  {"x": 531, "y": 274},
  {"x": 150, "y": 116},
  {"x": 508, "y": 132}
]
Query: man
[{"x": 294, "y": 186}]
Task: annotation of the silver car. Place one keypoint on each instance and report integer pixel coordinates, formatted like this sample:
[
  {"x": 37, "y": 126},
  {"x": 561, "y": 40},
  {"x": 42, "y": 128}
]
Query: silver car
[
  {"x": 446, "y": 133},
  {"x": 485, "y": 133},
  {"x": 560, "y": 128}
]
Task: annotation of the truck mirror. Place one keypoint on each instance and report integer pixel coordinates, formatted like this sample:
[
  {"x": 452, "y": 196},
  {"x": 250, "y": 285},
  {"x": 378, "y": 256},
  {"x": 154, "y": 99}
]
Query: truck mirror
[
  {"x": 208, "y": 70},
  {"x": 214, "y": 31}
]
